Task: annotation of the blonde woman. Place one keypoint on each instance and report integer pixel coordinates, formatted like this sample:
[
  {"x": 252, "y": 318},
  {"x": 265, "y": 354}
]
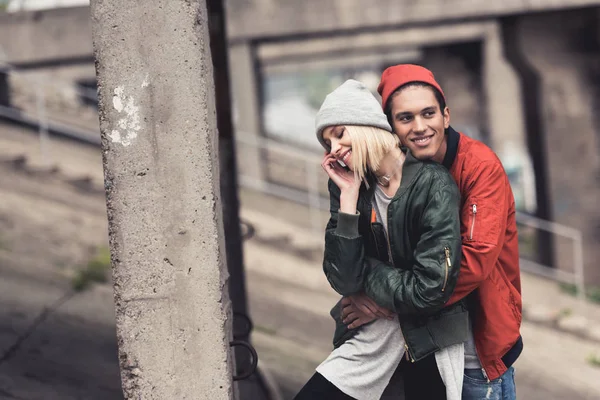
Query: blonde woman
[{"x": 392, "y": 248}]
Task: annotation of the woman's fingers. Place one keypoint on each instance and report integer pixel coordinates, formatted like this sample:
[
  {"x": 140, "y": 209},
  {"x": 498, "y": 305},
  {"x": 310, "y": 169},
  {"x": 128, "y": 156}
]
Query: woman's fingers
[
  {"x": 330, "y": 166},
  {"x": 327, "y": 161}
]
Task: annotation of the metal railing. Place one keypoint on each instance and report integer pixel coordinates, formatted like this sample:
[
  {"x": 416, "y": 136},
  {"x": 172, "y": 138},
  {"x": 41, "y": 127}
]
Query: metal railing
[
  {"x": 312, "y": 162},
  {"x": 577, "y": 277},
  {"x": 40, "y": 116}
]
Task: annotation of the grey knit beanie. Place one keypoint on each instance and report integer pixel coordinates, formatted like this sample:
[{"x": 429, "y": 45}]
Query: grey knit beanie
[{"x": 350, "y": 104}]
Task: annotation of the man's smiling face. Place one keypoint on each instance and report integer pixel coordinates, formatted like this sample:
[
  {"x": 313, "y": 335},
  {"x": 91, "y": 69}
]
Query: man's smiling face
[{"x": 419, "y": 123}]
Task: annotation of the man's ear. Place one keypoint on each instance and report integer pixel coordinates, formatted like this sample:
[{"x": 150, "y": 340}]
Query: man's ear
[{"x": 446, "y": 117}]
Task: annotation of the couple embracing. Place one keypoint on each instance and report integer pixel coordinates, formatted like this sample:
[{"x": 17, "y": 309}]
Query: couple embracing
[{"x": 422, "y": 246}]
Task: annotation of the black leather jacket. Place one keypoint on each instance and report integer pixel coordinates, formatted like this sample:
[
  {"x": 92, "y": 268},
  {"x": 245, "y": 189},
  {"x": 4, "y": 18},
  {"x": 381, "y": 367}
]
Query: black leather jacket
[{"x": 416, "y": 277}]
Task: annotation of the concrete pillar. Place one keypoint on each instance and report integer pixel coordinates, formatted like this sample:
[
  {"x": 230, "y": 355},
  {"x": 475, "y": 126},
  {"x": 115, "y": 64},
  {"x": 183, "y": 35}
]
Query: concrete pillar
[
  {"x": 506, "y": 119},
  {"x": 558, "y": 47},
  {"x": 456, "y": 68},
  {"x": 4, "y": 88},
  {"x": 247, "y": 111},
  {"x": 160, "y": 154}
]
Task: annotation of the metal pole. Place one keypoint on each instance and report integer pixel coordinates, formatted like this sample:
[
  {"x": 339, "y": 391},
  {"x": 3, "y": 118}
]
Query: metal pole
[
  {"x": 253, "y": 387},
  {"x": 4, "y": 86},
  {"x": 579, "y": 268},
  {"x": 43, "y": 124}
]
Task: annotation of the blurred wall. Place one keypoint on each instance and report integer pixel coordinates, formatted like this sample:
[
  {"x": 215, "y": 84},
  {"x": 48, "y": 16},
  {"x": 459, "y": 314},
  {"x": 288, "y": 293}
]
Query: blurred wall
[
  {"x": 47, "y": 39},
  {"x": 564, "y": 50},
  {"x": 52, "y": 51},
  {"x": 259, "y": 19},
  {"x": 468, "y": 46}
]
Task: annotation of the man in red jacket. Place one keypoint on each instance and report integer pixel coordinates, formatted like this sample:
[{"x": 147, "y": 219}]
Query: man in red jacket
[{"x": 489, "y": 276}]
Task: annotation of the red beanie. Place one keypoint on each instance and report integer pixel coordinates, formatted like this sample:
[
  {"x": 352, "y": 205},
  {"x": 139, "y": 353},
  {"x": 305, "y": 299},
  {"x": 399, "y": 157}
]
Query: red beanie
[{"x": 398, "y": 75}]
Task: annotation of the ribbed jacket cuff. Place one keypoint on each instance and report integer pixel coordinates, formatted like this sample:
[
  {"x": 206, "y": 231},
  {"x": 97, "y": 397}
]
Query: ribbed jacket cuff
[{"x": 347, "y": 225}]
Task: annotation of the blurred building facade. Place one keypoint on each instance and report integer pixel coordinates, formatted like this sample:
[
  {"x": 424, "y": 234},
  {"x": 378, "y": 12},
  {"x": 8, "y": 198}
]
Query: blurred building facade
[{"x": 522, "y": 76}]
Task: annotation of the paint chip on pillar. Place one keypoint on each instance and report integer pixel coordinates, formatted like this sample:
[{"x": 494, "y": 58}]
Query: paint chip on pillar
[{"x": 129, "y": 124}]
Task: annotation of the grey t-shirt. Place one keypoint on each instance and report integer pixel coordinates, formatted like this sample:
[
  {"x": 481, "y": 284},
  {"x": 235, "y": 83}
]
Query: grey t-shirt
[{"x": 471, "y": 358}]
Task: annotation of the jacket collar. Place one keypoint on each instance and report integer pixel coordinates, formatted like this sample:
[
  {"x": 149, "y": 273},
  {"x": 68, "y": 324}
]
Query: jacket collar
[
  {"x": 452, "y": 147},
  {"x": 409, "y": 170}
]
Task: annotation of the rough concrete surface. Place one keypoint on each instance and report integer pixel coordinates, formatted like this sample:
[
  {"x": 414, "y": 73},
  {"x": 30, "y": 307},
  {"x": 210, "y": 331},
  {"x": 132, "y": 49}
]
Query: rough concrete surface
[{"x": 158, "y": 124}]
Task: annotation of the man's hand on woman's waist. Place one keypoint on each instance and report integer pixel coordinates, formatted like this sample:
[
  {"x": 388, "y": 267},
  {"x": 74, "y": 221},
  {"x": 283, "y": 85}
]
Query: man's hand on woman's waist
[{"x": 359, "y": 309}]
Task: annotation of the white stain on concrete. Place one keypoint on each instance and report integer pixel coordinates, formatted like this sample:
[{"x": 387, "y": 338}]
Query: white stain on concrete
[
  {"x": 146, "y": 82},
  {"x": 115, "y": 136},
  {"x": 117, "y": 102},
  {"x": 129, "y": 124}
]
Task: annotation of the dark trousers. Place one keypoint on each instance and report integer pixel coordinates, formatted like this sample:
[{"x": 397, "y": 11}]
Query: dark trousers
[
  {"x": 422, "y": 380},
  {"x": 319, "y": 388}
]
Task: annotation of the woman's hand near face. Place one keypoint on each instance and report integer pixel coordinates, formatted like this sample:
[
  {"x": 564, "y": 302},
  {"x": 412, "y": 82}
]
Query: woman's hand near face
[{"x": 346, "y": 180}]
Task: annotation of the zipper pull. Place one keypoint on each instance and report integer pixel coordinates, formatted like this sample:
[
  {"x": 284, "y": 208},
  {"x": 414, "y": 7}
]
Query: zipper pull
[
  {"x": 448, "y": 262},
  {"x": 474, "y": 210},
  {"x": 448, "y": 266},
  {"x": 408, "y": 357}
]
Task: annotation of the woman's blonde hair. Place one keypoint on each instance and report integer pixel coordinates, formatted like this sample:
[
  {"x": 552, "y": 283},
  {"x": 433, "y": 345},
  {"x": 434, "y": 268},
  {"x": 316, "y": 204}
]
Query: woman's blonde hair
[{"x": 369, "y": 146}]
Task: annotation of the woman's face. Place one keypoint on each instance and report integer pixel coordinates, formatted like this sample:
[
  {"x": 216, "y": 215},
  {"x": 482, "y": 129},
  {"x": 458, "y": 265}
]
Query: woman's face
[{"x": 338, "y": 140}]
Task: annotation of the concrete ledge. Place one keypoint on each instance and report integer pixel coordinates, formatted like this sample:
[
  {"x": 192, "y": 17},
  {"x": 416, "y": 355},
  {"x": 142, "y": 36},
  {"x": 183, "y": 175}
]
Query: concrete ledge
[{"x": 563, "y": 320}]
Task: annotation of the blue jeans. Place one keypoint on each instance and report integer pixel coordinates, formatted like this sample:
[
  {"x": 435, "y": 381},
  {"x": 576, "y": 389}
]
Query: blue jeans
[{"x": 477, "y": 387}]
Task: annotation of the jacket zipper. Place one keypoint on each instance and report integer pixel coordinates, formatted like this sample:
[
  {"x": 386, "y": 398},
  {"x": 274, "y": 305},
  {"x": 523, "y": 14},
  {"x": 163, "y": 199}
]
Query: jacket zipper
[
  {"x": 448, "y": 266},
  {"x": 391, "y": 259},
  {"x": 387, "y": 237},
  {"x": 375, "y": 240},
  {"x": 389, "y": 246},
  {"x": 485, "y": 375},
  {"x": 474, "y": 210}
]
